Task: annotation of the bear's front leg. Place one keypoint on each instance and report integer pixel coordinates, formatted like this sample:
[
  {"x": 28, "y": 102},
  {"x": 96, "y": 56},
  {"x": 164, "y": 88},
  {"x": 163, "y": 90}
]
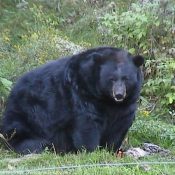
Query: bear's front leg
[
  {"x": 86, "y": 135},
  {"x": 115, "y": 133}
]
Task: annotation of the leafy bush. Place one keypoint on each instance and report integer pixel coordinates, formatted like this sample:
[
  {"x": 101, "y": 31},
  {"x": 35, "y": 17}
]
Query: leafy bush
[
  {"x": 144, "y": 28},
  {"x": 161, "y": 81}
]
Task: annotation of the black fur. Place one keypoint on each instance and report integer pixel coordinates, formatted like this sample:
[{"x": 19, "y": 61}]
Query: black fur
[{"x": 82, "y": 101}]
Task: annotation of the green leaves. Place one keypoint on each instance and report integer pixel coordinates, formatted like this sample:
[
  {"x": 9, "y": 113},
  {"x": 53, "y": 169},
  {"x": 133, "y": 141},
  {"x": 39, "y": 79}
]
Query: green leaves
[
  {"x": 5, "y": 86},
  {"x": 140, "y": 27},
  {"x": 132, "y": 50},
  {"x": 6, "y": 83}
]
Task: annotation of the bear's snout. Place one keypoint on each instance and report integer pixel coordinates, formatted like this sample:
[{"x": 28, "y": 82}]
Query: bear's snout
[{"x": 119, "y": 92}]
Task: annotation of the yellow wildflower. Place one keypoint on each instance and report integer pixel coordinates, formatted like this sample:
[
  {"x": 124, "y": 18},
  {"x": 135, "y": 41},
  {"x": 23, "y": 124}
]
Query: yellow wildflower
[
  {"x": 6, "y": 38},
  {"x": 35, "y": 36},
  {"x": 24, "y": 37},
  {"x": 144, "y": 112},
  {"x": 6, "y": 30},
  {"x": 17, "y": 47}
]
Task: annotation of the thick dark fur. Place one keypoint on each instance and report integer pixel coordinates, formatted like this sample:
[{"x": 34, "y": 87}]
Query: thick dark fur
[{"x": 82, "y": 101}]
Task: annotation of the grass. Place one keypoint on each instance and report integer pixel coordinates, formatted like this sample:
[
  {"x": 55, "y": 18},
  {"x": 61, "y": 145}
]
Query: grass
[
  {"x": 29, "y": 38},
  {"x": 49, "y": 160}
]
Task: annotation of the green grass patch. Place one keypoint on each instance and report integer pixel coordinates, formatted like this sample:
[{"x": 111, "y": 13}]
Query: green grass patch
[{"x": 39, "y": 164}]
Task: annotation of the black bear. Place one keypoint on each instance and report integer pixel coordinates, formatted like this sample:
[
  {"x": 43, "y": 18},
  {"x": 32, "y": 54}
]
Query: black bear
[{"x": 84, "y": 101}]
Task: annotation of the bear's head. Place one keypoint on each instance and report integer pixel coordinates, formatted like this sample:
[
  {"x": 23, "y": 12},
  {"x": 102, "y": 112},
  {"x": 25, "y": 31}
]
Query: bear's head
[
  {"x": 107, "y": 73},
  {"x": 120, "y": 76}
]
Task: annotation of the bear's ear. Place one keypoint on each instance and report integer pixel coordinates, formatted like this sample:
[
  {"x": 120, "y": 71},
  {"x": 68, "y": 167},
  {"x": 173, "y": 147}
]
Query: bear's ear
[
  {"x": 138, "y": 60},
  {"x": 87, "y": 64},
  {"x": 96, "y": 57},
  {"x": 91, "y": 60}
]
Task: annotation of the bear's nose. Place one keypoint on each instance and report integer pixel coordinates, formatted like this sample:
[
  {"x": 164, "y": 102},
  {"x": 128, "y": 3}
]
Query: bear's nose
[{"x": 119, "y": 97}]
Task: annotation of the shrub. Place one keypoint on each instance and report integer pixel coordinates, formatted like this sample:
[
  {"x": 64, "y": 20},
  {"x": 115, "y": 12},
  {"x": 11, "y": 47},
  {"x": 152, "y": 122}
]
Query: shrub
[{"x": 142, "y": 29}]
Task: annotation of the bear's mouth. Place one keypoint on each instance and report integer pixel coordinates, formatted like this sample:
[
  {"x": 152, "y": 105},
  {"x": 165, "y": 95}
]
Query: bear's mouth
[
  {"x": 118, "y": 100},
  {"x": 119, "y": 97}
]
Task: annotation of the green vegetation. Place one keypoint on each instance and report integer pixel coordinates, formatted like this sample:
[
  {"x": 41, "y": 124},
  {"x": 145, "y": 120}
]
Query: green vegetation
[
  {"x": 43, "y": 30},
  {"x": 51, "y": 160}
]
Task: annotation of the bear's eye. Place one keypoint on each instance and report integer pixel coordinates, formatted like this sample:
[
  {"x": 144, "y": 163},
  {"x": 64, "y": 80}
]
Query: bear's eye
[
  {"x": 126, "y": 78},
  {"x": 112, "y": 79}
]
